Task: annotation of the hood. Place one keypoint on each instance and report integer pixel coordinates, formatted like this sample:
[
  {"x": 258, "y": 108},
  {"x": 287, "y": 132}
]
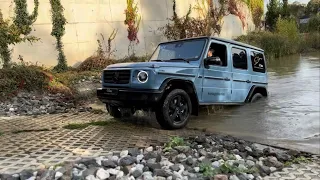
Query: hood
[{"x": 154, "y": 64}]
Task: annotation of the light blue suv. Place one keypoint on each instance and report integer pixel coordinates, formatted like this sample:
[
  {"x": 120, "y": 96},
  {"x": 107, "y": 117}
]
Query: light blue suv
[{"x": 183, "y": 75}]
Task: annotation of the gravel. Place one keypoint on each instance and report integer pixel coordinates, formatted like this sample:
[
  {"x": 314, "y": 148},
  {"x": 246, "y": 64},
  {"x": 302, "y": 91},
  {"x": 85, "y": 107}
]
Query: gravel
[
  {"x": 32, "y": 104},
  {"x": 203, "y": 157}
]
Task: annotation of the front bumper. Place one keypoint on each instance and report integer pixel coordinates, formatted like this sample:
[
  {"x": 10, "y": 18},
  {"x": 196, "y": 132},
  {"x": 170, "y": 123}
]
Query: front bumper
[{"x": 126, "y": 97}]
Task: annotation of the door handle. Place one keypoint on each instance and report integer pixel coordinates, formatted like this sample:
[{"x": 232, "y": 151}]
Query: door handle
[
  {"x": 226, "y": 79},
  {"x": 248, "y": 81}
]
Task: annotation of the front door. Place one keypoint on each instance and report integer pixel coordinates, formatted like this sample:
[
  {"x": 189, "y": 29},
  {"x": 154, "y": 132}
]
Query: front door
[
  {"x": 241, "y": 82},
  {"x": 217, "y": 78}
]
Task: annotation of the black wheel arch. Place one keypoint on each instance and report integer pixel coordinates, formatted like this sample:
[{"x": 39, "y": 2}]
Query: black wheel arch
[
  {"x": 173, "y": 83},
  {"x": 256, "y": 89}
]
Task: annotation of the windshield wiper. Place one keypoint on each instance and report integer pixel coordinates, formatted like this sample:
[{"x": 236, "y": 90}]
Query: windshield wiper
[
  {"x": 180, "y": 59},
  {"x": 158, "y": 60}
]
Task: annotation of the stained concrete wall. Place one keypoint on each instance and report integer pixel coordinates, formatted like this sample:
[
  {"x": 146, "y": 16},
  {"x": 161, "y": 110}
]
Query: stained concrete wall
[{"x": 87, "y": 19}]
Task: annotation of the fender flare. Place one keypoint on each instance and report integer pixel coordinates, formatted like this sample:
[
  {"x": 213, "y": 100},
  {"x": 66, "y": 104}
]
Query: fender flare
[{"x": 252, "y": 89}]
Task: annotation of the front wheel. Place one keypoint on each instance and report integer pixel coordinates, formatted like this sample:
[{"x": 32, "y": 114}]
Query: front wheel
[
  {"x": 114, "y": 111},
  {"x": 174, "y": 111}
]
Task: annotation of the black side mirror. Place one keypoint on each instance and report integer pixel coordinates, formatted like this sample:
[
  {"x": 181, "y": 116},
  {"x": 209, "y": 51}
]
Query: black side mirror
[{"x": 212, "y": 61}]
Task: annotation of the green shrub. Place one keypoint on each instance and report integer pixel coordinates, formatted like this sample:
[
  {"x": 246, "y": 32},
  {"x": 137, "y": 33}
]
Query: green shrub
[
  {"x": 22, "y": 77},
  {"x": 287, "y": 28}
]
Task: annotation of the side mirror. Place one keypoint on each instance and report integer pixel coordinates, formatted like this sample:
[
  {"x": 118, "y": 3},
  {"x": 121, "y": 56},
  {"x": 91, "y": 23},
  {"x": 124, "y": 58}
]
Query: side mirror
[{"x": 212, "y": 61}]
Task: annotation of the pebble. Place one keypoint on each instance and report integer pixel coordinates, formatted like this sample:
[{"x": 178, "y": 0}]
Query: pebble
[
  {"x": 233, "y": 177},
  {"x": 102, "y": 174},
  {"x": 124, "y": 153}
]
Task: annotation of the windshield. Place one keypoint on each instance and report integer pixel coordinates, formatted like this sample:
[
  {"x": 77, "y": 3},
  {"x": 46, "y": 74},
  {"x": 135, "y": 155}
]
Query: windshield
[{"x": 186, "y": 50}]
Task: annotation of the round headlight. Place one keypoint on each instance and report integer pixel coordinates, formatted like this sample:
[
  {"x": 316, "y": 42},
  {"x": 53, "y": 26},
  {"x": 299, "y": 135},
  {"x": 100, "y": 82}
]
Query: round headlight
[{"x": 142, "y": 76}]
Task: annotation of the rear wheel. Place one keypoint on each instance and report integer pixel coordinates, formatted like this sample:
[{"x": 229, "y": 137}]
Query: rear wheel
[
  {"x": 256, "y": 97},
  {"x": 175, "y": 109}
]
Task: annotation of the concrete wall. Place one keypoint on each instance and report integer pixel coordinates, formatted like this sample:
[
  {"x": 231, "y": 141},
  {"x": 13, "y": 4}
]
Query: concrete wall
[{"x": 88, "y": 18}]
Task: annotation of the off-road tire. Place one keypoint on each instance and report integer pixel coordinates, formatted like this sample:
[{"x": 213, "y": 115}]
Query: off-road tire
[
  {"x": 256, "y": 97},
  {"x": 114, "y": 111},
  {"x": 163, "y": 111}
]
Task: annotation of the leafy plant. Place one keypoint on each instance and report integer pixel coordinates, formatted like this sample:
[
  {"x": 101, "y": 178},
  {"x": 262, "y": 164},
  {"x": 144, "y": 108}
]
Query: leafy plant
[
  {"x": 174, "y": 141},
  {"x": 207, "y": 170},
  {"x": 58, "y": 30},
  {"x": 132, "y": 21}
]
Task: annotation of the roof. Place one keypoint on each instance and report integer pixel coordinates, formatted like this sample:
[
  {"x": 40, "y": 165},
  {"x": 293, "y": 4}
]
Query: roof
[{"x": 223, "y": 40}]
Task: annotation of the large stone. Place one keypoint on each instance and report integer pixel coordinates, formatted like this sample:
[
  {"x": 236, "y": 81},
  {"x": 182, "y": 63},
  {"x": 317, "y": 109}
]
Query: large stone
[
  {"x": 161, "y": 172},
  {"x": 124, "y": 153},
  {"x": 273, "y": 162},
  {"x": 26, "y": 174},
  {"x": 48, "y": 174},
  {"x": 177, "y": 176},
  {"x": 102, "y": 174},
  {"x": 134, "y": 152},
  {"x": 137, "y": 173},
  {"x": 250, "y": 163},
  {"x": 89, "y": 162},
  {"x": 202, "y": 152},
  {"x": 190, "y": 161},
  {"x": 181, "y": 157},
  {"x": 58, "y": 175},
  {"x": 90, "y": 171},
  {"x": 283, "y": 157},
  {"x": 233, "y": 177},
  {"x": 153, "y": 166},
  {"x": 220, "y": 177},
  {"x": 126, "y": 161},
  {"x": 109, "y": 164},
  {"x": 265, "y": 169},
  {"x": 183, "y": 149},
  {"x": 229, "y": 145},
  {"x": 9, "y": 177},
  {"x": 175, "y": 167},
  {"x": 150, "y": 155}
]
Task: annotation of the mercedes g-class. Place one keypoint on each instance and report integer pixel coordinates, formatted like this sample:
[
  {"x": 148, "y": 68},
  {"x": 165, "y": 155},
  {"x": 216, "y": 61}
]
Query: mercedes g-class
[{"x": 184, "y": 74}]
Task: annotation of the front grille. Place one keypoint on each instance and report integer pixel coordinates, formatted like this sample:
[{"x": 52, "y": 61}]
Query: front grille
[{"x": 117, "y": 76}]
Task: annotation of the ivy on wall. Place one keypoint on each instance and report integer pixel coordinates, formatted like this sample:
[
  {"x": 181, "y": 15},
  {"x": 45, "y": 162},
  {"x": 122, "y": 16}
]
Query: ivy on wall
[
  {"x": 18, "y": 31},
  {"x": 22, "y": 19},
  {"x": 58, "y": 30}
]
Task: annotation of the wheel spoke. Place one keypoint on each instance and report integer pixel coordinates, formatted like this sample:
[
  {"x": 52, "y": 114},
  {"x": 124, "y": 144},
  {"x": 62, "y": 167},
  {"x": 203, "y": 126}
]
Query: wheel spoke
[
  {"x": 184, "y": 107},
  {"x": 174, "y": 115},
  {"x": 172, "y": 106},
  {"x": 178, "y": 100},
  {"x": 179, "y": 117}
]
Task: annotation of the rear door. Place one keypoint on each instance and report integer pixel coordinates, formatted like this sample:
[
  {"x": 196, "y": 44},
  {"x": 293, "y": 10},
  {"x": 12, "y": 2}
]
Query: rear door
[{"x": 241, "y": 81}]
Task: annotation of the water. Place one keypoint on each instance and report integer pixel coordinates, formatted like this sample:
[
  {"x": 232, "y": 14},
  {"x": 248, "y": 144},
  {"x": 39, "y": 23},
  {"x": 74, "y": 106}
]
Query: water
[{"x": 290, "y": 117}]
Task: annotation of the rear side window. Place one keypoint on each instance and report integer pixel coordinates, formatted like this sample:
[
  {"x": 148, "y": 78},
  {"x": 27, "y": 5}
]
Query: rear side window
[
  {"x": 239, "y": 58},
  {"x": 258, "y": 63}
]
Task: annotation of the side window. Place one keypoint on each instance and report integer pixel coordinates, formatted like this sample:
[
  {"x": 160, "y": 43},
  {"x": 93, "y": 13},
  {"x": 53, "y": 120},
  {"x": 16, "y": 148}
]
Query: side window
[
  {"x": 239, "y": 58},
  {"x": 218, "y": 50},
  {"x": 258, "y": 64}
]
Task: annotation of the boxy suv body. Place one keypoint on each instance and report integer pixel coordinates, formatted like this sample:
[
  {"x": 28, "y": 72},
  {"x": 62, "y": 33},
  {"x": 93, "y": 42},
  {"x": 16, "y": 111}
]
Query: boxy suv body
[{"x": 180, "y": 77}]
